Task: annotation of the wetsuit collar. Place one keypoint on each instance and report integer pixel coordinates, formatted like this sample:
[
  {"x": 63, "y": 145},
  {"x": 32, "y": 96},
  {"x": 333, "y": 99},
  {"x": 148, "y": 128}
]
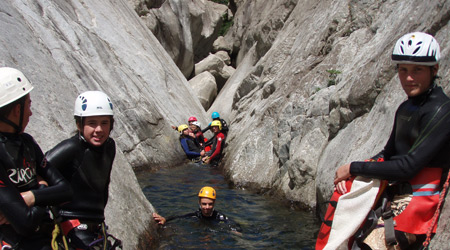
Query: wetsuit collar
[{"x": 421, "y": 99}]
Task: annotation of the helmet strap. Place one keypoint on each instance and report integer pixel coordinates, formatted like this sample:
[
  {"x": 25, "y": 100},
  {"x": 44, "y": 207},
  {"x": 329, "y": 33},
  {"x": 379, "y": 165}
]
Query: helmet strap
[{"x": 10, "y": 123}]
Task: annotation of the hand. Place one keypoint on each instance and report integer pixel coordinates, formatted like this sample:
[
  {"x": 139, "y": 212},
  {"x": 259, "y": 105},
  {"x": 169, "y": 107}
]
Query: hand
[
  {"x": 342, "y": 173},
  {"x": 159, "y": 219},
  {"x": 340, "y": 187},
  {"x": 205, "y": 160},
  {"x": 202, "y": 153},
  {"x": 42, "y": 181},
  {"x": 174, "y": 127},
  {"x": 3, "y": 219},
  {"x": 29, "y": 198}
]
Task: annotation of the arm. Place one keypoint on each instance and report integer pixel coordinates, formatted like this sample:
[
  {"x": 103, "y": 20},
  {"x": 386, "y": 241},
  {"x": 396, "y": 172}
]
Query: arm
[
  {"x": 22, "y": 218},
  {"x": 58, "y": 189},
  {"x": 429, "y": 149},
  {"x": 186, "y": 149},
  {"x": 220, "y": 139}
]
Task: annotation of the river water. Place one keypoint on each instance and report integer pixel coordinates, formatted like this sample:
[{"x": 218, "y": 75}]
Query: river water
[{"x": 266, "y": 223}]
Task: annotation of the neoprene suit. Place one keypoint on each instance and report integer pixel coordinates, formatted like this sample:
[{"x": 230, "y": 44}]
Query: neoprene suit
[
  {"x": 426, "y": 117},
  {"x": 21, "y": 161},
  {"x": 88, "y": 170}
]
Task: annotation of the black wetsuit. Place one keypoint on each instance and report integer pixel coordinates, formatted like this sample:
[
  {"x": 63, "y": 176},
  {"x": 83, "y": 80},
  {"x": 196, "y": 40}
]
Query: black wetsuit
[
  {"x": 420, "y": 139},
  {"x": 88, "y": 170},
  {"x": 224, "y": 127},
  {"x": 427, "y": 116},
  {"x": 216, "y": 217},
  {"x": 21, "y": 161},
  {"x": 190, "y": 147}
]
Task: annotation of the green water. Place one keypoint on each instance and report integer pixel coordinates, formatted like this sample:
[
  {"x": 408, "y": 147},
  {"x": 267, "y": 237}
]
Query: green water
[{"x": 265, "y": 222}]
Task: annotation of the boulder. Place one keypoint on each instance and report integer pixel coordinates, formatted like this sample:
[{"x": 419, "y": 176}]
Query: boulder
[
  {"x": 217, "y": 67},
  {"x": 186, "y": 29},
  {"x": 205, "y": 88}
]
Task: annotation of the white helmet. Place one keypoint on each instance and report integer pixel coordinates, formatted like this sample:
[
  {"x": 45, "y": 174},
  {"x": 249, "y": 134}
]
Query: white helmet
[
  {"x": 416, "y": 48},
  {"x": 13, "y": 85},
  {"x": 197, "y": 123},
  {"x": 93, "y": 103}
]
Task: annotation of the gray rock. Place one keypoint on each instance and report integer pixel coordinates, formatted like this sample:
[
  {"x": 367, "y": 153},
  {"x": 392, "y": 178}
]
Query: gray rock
[
  {"x": 205, "y": 87},
  {"x": 292, "y": 121},
  {"x": 67, "y": 47},
  {"x": 186, "y": 29}
]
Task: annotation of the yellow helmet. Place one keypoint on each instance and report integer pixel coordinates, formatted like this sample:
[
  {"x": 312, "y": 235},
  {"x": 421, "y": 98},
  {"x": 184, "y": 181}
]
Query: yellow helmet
[
  {"x": 182, "y": 127},
  {"x": 216, "y": 123},
  {"x": 207, "y": 192}
]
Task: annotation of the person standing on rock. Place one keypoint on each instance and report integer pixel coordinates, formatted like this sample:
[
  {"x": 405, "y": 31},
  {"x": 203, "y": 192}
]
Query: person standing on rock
[
  {"x": 86, "y": 160},
  {"x": 206, "y": 212},
  {"x": 214, "y": 156},
  {"x": 27, "y": 182},
  {"x": 415, "y": 159},
  {"x": 193, "y": 151}
]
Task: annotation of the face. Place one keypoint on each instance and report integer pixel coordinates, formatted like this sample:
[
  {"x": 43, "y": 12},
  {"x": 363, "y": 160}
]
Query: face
[
  {"x": 26, "y": 112},
  {"x": 193, "y": 127},
  {"x": 207, "y": 206},
  {"x": 186, "y": 132},
  {"x": 215, "y": 129},
  {"x": 416, "y": 79},
  {"x": 96, "y": 129}
]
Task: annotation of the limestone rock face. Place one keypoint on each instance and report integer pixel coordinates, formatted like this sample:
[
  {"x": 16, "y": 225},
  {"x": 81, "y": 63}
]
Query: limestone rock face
[
  {"x": 186, "y": 29},
  {"x": 205, "y": 87},
  {"x": 67, "y": 47},
  {"x": 316, "y": 89}
]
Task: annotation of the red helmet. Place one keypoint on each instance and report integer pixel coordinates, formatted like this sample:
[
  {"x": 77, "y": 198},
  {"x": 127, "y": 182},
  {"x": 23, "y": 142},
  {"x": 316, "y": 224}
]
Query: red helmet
[{"x": 192, "y": 119}]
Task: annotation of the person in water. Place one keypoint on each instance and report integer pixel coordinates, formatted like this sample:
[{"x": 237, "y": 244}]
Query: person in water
[
  {"x": 190, "y": 121},
  {"x": 206, "y": 212},
  {"x": 196, "y": 129},
  {"x": 86, "y": 160},
  {"x": 27, "y": 182},
  {"x": 215, "y": 154},
  {"x": 193, "y": 151},
  {"x": 216, "y": 117},
  {"x": 415, "y": 159}
]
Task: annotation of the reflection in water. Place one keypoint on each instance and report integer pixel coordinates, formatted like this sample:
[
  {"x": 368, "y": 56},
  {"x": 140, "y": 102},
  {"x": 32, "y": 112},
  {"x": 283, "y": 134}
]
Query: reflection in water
[{"x": 266, "y": 224}]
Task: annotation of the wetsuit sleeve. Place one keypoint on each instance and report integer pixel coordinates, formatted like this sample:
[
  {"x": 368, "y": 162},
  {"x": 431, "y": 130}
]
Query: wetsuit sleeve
[
  {"x": 59, "y": 189},
  {"x": 207, "y": 128},
  {"x": 224, "y": 125},
  {"x": 186, "y": 148},
  {"x": 209, "y": 141},
  {"x": 170, "y": 218},
  {"x": 22, "y": 218},
  {"x": 220, "y": 139},
  {"x": 432, "y": 139}
]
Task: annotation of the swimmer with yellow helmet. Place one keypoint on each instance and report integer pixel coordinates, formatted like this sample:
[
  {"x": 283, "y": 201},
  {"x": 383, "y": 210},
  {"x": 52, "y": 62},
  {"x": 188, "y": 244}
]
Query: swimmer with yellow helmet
[{"x": 206, "y": 201}]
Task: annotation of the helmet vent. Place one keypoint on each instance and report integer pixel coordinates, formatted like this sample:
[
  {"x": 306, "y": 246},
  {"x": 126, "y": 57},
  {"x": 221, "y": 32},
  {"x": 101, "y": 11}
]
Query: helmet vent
[{"x": 19, "y": 79}]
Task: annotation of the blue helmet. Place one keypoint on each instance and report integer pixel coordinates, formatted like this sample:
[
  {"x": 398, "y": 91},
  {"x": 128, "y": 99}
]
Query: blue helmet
[{"x": 215, "y": 115}]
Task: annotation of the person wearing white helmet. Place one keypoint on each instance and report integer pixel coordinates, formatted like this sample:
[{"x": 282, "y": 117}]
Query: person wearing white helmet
[
  {"x": 415, "y": 159},
  {"x": 86, "y": 160},
  {"x": 27, "y": 182},
  {"x": 196, "y": 129}
]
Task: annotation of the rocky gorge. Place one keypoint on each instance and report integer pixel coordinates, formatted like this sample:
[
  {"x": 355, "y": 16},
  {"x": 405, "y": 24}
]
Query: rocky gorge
[{"x": 310, "y": 87}]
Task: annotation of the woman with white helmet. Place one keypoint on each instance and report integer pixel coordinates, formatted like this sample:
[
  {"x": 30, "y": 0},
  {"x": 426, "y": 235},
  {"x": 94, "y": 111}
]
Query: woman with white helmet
[
  {"x": 415, "y": 159},
  {"x": 27, "y": 182},
  {"x": 86, "y": 161}
]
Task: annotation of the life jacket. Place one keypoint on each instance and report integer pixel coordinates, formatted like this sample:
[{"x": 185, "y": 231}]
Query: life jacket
[{"x": 417, "y": 217}]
